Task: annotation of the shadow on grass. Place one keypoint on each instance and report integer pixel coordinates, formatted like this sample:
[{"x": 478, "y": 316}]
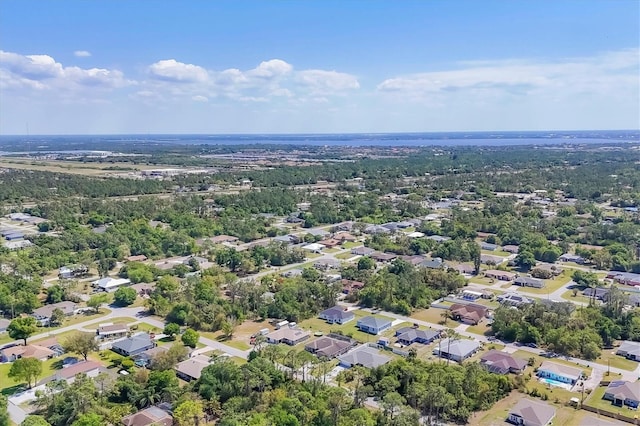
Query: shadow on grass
[{"x": 8, "y": 391}]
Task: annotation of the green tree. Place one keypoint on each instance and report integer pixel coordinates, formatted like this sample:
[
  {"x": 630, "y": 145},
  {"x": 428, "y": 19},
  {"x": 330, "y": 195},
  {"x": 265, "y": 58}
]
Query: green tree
[
  {"x": 96, "y": 301},
  {"x": 171, "y": 330},
  {"x": 4, "y": 414},
  {"x": 526, "y": 260},
  {"x": 366, "y": 263},
  {"x": 81, "y": 344},
  {"x": 124, "y": 296},
  {"x": 22, "y": 328},
  {"x": 57, "y": 317},
  {"x": 26, "y": 369},
  {"x": 190, "y": 337},
  {"x": 34, "y": 420},
  {"x": 188, "y": 413},
  {"x": 89, "y": 419}
]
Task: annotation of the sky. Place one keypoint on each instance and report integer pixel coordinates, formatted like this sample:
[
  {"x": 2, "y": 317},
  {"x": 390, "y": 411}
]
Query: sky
[{"x": 121, "y": 67}]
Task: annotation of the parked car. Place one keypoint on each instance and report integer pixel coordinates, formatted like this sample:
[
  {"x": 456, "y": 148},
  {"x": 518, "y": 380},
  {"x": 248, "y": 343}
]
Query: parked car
[{"x": 532, "y": 345}]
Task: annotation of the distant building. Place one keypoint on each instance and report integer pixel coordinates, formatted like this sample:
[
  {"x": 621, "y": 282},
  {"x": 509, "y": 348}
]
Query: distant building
[
  {"x": 373, "y": 325},
  {"x": 109, "y": 284},
  {"x": 529, "y": 282},
  {"x": 337, "y": 315},
  {"x": 629, "y": 350},
  {"x": 289, "y": 336},
  {"x": 329, "y": 347},
  {"x": 364, "y": 356},
  {"x": 500, "y": 275}
]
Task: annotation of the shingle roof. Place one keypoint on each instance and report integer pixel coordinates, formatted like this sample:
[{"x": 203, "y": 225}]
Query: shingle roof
[
  {"x": 45, "y": 311},
  {"x": 533, "y": 412},
  {"x": 624, "y": 390},
  {"x": 498, "y": 361},
  {"x": 630, "y": 348},
  {"x": 193, "y": 367},
  {"x": 460, "y": 348},
  {"x": 365, "y": 356},
  {"x": 337, "y": 312},
  {"x": 375, "y": 322},
  {"x": 75, "y": 369},
  {"x": 411, "y": 334},
  {"x": 326, "y": 346},
  {"x": 147, "y": 417},
  {"x": 133, "y": 343},
  {"x": 561, "y": 370}
]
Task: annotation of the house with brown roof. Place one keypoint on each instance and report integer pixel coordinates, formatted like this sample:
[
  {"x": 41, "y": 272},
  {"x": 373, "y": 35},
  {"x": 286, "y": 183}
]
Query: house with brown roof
[
  {"x": 44, "y": 313},
  {"x": 288, "y": 335},
  {"x": 330, "y": 346},
  {"x": 330, "y": 243},
  {"x": 30, "y": 351},
  {"x": 112, "y": 331},
  {"x": 382, "y": 257},
  {"x": 500, "y": 275},
  {"x": 68, "y": 374},
  {"x": 151, "y": 416},
  {"x": 350, "y": 286},
  {"x": 469, "y": 314},
  {"x": 528, "y": 412},
  {"x": 499, "y": 362},
  {"x": 344, "y": 236},
  {"x": 136, "y": 258}
]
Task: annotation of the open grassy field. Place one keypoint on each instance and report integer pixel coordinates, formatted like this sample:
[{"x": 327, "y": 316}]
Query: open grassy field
[
  {"x": 351, "y": 244},
  {"x": 72, "y": 167},
  {"x": 568, "y": 295},
  {"x": 609, "y": 357},
  {"x": 345, "y": 256},
  {"x": 8, "y": 386},
  {"x": 431, "y": 315},
  {"x": 482, "y": 329}
]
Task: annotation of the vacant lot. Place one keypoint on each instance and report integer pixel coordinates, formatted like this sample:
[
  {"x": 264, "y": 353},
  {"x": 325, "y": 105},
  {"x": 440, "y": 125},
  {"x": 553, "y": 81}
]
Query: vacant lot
[{"x": 72, "y": 167}]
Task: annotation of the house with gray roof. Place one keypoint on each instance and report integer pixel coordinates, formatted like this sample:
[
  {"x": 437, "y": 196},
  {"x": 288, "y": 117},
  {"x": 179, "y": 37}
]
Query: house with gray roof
[
  {"x": 409, "y": 335},
  {"x": 373, "y": 325},
  {"x": 330, "y": 346},
  {"x": 362, "y": 251},
  {"x": 153, "y": 415},
  {"x": 622, "y": 393},
  {"x": 629, "y": 350},
  {"x": 337, "y": 315},
  {"x": 433, "y": 263},
  {"x": 191, "y": 369},
  {"x": 528, "y": 412},
  {"x": 456, "y": 350},
  {"x": 44, "y": 313},
  {"x": 133, "y": 345},
  {"x": 364, "y": 356},
  {"x": 438, "y": 238},
  {"x": 529, "y": 282}
]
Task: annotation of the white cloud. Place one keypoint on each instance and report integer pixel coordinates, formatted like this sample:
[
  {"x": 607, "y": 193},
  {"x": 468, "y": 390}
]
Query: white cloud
[
  {"x": 600, "y": 74},
  {"x": 327, "y": 82},
  {"x": 200, "y": 98},
  {"x": 82, "y": 53},
  {"x": 43, "y": 72},
  {"x": 179, "y": 72},
  {"x": 271, "y": 69}
]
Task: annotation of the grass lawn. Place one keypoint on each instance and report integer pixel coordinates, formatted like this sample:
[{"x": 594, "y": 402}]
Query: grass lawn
[
  {"x": 313, "y": 256},
  {"x": 550, "y": 285},
  {"x": 8, "y": 386},
  {"x": 482, "y": 280},
  {"x": 481, "y": 329},
  {"x": 568, "y": 295},
  {"x": 331, "y": 250},
  {"x": 496, "y": 253},
  {"x": 539, "y": 359},
  {"x": 616, "y": 361},
  {"x": 234, "y": 343},
  {"x": 351, "y": 244},
  {"x": 348, "y": 329},
  {"x": 345, "y": 256},
  {"x": 431, "y": 315}
]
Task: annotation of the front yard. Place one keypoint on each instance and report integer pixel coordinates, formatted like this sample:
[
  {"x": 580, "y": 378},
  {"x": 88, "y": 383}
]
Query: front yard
[{"x": 550, "y": 285}]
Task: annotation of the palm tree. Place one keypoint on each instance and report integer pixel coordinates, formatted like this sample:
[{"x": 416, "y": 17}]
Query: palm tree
[
  {"x": 445, "y": 316},
  {"x": 451, "y": 335}
]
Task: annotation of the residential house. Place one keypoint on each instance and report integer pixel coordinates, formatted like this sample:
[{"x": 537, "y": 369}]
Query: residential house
[
  {"x": 344, "y": 236},
  {"x": 109, "y": 284},
  {"x": 350, "y": 286},
  {"x": 287, "y": 239},
  {"x": 151, "y": 416},
  {"x": 489, "y": 259},
  {"x": 318, "y": 232},
  {"x": 313, "y": 247},
  {"x": 39, "y": 352},
  {"x": 414, "y": 260},
  {"x": 571, "y": 258},
  {"x": 364, "y": 356},
  {"x": 499, "y": 362},
  {"x": 44, "y": 313},
  {"x": 73, "y": 271},
  {"x": 468, "y": 313},
  {"x": 326, "y": 264},
  {"x": 529, "y": 412},
  {"x": 373, "y": 325},
  {"x": 295, "y": 272},
  {"x": 344, "y": 226},
  {"x": 596, "y": 293},
  {"x": 415, "y": 234},
  {"x": 144, "y": 289},
  {"x": 383, "y": 257},
  {"x": 622, "y": 393},
  {"x": 471, "y": 295},
  {"x": 500, "y": 275},
  {"x": 376, "y": 229},
  {"x": 288, "y": 335},
  {"x": 337, "y": 315},
  {"x": 456, "y": 350},
  {"x": 438, "y": 238},
  {"x": 136, "y": 258},
  {"x": 626, "y": 278},
  {"x": 509, "y": 248},
  {"x": 4, "y": 323},
  {"x": 514, "y": 299},
  {"x": 191, "y": 369},
  {"x": 330, "y": 243},
  {"x": 433, "y": 263},
  {"x": 465, "y": 269},
  {"x": 68, "y": 374},
  {"x": 331, "y": 346},
  {"x": 546, "y": 268},
  {"x": 362, "y": 251},
  {"x": 409, "y": 335},
  {"x": 133, "y": 345},
  {"x": 488, "y": 246},
  {"x": 529, "y": 282},
  {"x": 143, "y": 359},
  {"x": 629, "y": 350},
  {"x": 559, "y": 372},
  {"x": 112, "y": 331}
]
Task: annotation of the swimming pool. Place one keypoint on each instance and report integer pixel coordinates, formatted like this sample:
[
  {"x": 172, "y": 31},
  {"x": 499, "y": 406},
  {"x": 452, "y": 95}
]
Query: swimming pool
[{"x": 556, "y": 383}]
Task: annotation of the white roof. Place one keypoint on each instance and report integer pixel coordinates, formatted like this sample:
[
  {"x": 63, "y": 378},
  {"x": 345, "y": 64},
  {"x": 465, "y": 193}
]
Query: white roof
[
  {"x": 313, "y": 246},
  {"x": 415, "y": 235},
  {"x": 109, "y": 282}
]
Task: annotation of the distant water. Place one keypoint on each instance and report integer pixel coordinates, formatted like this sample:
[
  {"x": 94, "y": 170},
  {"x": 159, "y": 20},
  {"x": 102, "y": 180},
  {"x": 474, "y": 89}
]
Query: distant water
[{"x": 108, "y": 142}]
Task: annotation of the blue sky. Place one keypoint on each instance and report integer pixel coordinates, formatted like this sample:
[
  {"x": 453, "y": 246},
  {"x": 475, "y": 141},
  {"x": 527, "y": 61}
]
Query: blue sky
[{"x": 78, "y": 67}]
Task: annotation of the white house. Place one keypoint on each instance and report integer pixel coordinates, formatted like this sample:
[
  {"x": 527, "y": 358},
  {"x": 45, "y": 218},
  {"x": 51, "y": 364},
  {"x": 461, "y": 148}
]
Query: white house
[{"x": 109, "y": 284}]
